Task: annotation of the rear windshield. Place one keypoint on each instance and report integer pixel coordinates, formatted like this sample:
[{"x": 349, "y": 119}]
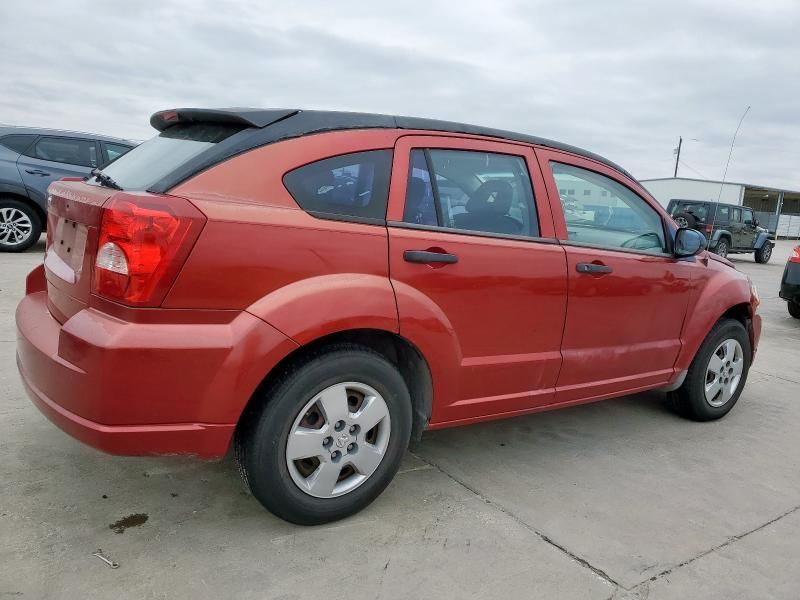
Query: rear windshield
[
  {"x": 698, "y": 209},
  {"x": 151, "y": 161}
]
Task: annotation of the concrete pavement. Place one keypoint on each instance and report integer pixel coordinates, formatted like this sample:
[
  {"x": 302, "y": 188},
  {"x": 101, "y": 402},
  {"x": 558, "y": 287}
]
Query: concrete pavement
[{"x": 615, "y": 499}]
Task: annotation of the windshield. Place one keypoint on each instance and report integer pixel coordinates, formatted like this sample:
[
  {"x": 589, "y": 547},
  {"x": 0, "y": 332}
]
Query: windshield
[{"x": 159, "y": 156}]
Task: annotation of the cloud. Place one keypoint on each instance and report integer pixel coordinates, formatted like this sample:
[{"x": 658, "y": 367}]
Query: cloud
[{"x": 623, "y": 78}]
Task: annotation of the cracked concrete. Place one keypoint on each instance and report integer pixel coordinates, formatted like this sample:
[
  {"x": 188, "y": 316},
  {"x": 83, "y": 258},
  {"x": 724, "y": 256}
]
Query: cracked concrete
[{"x": 619, "y": 499}]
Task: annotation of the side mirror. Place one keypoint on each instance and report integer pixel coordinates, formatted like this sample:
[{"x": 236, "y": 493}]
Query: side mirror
[{"x": 688, "y": 242}]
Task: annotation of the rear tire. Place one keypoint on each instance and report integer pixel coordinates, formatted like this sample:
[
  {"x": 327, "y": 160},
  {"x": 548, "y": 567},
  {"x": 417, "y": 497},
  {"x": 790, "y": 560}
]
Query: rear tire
[
  {"x": 717, "y": 375},
  {"x": 763, "y": 254},
  {"x": 303, "y": 406},
  {"x": 723, "y": 245},
  {"x": 20, "y": 226},
  {"x": 794, "y": 308}
]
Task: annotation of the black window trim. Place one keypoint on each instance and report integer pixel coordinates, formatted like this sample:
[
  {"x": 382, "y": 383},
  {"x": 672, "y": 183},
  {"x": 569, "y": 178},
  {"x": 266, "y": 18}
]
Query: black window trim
[
  {"x": 666, "y": 229},
  {"x": 97, "y": 150},
  {"x": 471, "y": 232}
]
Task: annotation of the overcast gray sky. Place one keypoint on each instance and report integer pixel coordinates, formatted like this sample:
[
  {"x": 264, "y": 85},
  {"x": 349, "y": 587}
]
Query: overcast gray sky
[{"x": 621, "y": 78}]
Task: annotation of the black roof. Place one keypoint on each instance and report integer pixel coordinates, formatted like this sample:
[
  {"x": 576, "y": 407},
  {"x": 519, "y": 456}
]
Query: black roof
[{"x": 267, "y": 126}]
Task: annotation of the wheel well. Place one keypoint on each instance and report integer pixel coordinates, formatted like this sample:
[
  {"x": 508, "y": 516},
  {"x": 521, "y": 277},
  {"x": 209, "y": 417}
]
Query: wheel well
[
  {"x": 397, "y": 350},
  {"x": 24, "y": 199},
  {"x": 741, "y": 313}
]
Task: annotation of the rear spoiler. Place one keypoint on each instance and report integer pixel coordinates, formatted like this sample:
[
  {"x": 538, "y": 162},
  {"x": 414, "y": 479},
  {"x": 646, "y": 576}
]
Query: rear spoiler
[{"x": 246, "y": 117}]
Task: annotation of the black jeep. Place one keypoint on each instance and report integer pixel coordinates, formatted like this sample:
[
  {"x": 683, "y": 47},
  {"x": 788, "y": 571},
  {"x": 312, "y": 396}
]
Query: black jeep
[{"x": 728, "y": 229}]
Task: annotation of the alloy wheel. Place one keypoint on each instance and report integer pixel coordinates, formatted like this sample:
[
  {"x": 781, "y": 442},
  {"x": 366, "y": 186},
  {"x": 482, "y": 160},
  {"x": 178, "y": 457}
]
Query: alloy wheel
[
  {"x": 682, "y": 222},
  {"x": 338, "y": 440},
  {"x": 722, "y": 248},
  {"x": 724, "y": 373},
  {"x": 15, "y": 226}
]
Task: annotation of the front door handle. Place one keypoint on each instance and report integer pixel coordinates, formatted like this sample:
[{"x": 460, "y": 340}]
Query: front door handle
[
  {"x": 427, "y": 257},
  {"x": 37, "y": 172},
  {"x": 593, "y": 268}
]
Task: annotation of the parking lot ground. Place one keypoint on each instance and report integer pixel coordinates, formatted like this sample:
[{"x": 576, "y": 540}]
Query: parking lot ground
[{"x": 615, "y": 499}]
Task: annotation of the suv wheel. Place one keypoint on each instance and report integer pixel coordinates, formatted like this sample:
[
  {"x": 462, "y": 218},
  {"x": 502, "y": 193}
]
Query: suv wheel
[
  {"x": 685, "y": 219},
  {"x": 20, "y": 226},
  {"x": 328, "y": 436},
  {"x": 722, "y": 248},
  {"x": 794, "y": 308},
  {"x": 717, "y": 374},
  {"x": 764, "y": 253}
]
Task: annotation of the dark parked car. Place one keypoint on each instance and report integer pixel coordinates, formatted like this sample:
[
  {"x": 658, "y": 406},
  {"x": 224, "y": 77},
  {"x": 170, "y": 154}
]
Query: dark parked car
[
  {"x": 728, "y": 229},
  {"x": 790, "y": 284},
  {"x": 30, "y": 160},
  {"x": 317, "y": 288}
]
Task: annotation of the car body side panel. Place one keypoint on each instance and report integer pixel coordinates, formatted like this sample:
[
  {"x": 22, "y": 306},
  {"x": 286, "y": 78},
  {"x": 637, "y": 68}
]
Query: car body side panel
[
  {"x": 490, "y": 325},
  {"x": 716, "y": 289},
  {"x": 761, "y": 238}
]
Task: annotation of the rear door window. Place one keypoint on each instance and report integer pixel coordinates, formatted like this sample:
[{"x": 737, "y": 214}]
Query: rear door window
[
  {"x": 470, "y": 191},
  {"x": 71, "y": 151},
  {"x": 351, "y": 185}
]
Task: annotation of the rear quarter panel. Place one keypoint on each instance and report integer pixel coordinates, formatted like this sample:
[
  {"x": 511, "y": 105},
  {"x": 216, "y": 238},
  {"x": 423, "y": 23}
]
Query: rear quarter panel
[{"x": 305, "y": 276}]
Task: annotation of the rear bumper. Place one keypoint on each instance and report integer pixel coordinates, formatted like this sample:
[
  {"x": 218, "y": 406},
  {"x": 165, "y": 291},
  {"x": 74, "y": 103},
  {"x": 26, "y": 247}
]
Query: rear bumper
[
  {"x": 144, "y": 388},
  {"x": 790, "y": 284},
  {"x": 204, "y": 440}
]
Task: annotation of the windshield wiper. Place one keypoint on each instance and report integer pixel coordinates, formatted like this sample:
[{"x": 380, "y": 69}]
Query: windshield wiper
[{"x": 104, "y": 179}]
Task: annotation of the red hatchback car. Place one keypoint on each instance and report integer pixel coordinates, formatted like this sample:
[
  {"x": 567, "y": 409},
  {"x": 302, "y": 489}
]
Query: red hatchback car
[{"x": 318, "y": 288}]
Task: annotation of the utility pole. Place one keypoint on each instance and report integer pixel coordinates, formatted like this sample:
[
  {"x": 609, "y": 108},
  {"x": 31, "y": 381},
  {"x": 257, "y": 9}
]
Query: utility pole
[{"x": 677, "y": 155}]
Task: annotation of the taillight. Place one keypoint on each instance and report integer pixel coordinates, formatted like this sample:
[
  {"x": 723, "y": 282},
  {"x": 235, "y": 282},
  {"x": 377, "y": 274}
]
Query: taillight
[
  {"x": 795, "y": 257},
  {"x": 144, "y": 241},
  {"x": 709, "y": 227}
]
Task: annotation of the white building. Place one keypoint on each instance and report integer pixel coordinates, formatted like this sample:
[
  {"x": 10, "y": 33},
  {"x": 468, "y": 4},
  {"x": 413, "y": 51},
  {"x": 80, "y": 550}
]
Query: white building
[{"x": 777, "y": 209}]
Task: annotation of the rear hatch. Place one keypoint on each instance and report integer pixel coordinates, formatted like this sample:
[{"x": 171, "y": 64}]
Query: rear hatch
[
  {"x": 75, "y": 210},
  {"x": 76, "y": 207}
]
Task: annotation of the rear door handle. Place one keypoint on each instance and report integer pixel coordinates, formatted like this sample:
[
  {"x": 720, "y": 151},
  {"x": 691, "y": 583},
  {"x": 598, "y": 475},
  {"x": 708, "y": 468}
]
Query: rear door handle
[
  {"x": 37, "y": 172},
  {"x": 427, "y": 257},
  {"x": 592, "y": 268}
]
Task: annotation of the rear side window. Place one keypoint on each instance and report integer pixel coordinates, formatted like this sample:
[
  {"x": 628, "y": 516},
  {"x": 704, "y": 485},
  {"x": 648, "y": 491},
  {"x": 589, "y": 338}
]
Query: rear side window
[
  {"x": 351, "y": 185},
  {"x": 114, "y": 151},
  {"x": 471, "y": 191},
  {"x": 71, "y": 151},
  {"x": 156, "y": 158},
  {"x": 18, "y": 143},
  {"x": 697, "y": 209}
]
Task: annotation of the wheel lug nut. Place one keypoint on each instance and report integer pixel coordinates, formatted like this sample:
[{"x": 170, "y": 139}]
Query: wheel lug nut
[
  {"x": 339, "y": 425},
  {"x": 327, "y": 441},
  {"x": 350, "y": 447}
]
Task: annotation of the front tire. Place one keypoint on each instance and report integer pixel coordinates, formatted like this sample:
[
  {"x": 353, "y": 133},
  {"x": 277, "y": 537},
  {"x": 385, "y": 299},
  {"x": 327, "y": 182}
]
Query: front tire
[
  {"x": 327, "y": 437},
  {"x": 20, "y": 226},
  {"x": 717, "y": 375},
  {"x": 763, "y": 254},
  {"x": 794, "y": 308}
]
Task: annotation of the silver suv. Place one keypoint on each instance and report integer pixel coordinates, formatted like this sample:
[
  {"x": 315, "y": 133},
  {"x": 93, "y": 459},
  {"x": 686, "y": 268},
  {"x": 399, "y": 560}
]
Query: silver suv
[{"x": 32, "y": 158}]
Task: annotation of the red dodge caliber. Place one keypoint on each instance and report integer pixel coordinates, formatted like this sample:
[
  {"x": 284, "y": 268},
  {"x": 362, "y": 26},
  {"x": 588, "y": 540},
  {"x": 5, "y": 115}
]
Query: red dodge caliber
[{"x": 318, "y": 288}]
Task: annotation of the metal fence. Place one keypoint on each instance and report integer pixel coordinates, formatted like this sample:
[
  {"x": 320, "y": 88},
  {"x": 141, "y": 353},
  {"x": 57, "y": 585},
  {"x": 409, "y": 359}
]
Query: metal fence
[{"x": 788, "y": 227}]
